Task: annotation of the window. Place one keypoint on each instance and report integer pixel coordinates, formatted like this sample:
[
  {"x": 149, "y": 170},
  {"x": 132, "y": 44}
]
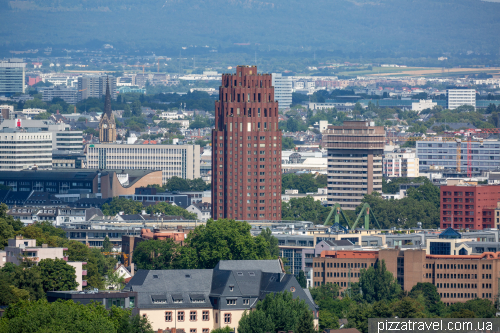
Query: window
[
  {"x": 231, "y": 302},
  {"x": 205, "y": 316},
  {"x": 192, "y": 330},
  {"x": 180, "y": 316},
  {"x": 192, "y": 316},
  {"x": 227, "y": 318},
  {"x": 246, "y": 301},
  {"x": 168, "y": 316},
  {"x": 205, "y": 330}
]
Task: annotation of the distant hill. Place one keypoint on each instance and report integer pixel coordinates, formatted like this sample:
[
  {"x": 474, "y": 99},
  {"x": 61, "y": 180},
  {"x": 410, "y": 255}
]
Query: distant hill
[{"x": 384, "y": 27}]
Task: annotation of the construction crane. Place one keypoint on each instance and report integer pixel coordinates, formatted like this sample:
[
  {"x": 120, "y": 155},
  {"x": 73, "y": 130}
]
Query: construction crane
[
  {"x": 159, "y": 63},
  {"x": 365, "y": 210}
]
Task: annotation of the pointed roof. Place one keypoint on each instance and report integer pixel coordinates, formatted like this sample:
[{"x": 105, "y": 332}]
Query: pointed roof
[
  {"x": 107, "y": 100},
  {"x": 450, "y": 233}
]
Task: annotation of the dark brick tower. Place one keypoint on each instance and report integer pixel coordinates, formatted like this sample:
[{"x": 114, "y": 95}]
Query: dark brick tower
[{"x": 246, "y": 148}]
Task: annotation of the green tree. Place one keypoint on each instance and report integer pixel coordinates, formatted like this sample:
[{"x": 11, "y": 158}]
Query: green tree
[
  {"x": 107, "y": 246},
  {"x": 223, "y": 239},
  {"x": 408, "y": 308},
  {"x": 327, "y": 320},
  {"x": 378, "y": 284},
  {"x": 29, "y": 279},
  {"x": 136, "y": 108},
  {"x": 169, "y": 209},
  {"x": 57, "y": 275},
  {"x": 301, "y": 279},
  {"x": 255, "y": 322},
  {"x": 226, "y": 329},
  {"x": 8, "y": 226},
  {"x": 433, "y": 303},
  {"x": 273, "y": 242},
  {"x": 304, "y": 209},
  {"x": 128, "y": 206},
  {"x": 306, "y": 323},
  {"x": 155, "y": 254},
  {"x": 287, "y": 143},
  {"x": 177, "y": 184},
  {"x": 114, "y": 280}
]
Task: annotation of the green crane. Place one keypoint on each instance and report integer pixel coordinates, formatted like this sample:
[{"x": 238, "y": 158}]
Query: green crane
[{"x": 337, "y": 210}]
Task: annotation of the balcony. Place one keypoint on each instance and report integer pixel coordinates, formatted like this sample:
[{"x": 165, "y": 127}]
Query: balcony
[
  {"x": 84, "y": 283},
  {"x": 84, "y": 272}
]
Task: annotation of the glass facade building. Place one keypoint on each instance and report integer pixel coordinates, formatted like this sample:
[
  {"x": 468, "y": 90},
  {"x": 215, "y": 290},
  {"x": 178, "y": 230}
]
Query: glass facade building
[
  {"x": 485, "y": 156},
  {"x": 11, "y": 77}
]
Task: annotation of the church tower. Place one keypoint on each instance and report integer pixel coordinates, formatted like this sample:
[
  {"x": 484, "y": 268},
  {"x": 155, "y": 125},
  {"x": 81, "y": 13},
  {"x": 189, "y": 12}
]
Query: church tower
[{"x": 107, "y": 125}]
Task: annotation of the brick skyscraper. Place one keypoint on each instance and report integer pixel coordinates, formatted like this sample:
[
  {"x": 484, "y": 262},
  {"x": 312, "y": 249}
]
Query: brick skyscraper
[{"x": 246, "y": 148}]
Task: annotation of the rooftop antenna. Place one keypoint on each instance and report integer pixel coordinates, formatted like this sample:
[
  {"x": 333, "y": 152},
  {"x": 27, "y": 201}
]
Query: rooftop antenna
[{"x": 256, "y": 58}]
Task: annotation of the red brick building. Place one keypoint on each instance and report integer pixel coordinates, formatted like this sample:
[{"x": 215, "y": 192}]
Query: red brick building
[
  {"x": 469, "y": 206},
  {"x": 246, "y": 153}
]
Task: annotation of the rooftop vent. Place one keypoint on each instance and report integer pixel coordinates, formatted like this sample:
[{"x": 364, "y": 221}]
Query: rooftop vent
[
  {"x": 155, "y": 276},
  {"x": 251, "y": 273},
  {"x": 188, "y": 276},
  {"x": 240, "y": 273}
]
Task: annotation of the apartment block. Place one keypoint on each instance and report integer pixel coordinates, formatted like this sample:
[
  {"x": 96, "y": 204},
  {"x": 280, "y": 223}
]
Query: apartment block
[
  {"x": 355, "y": 153},
  {"x": 458, "y": 278},
  {"x": 69, "y": 95},
  {"x": 173, "y": 160},
  {"x": 469, "y": 206},
  {"x": 460, "y": 97},
  {"x": 21, "y": 150},
  {"x": 400, "y": 163},
  {"x": 246, "y": 141},
  {"x": 12, "y": 77},
  {"x": 485, "y": 155}
]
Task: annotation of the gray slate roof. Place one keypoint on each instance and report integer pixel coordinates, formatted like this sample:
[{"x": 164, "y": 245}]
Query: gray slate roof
[{"x": 266, "y": 266}]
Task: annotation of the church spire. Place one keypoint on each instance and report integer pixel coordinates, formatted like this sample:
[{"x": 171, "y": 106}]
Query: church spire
[{"x": 107, "y": 100}]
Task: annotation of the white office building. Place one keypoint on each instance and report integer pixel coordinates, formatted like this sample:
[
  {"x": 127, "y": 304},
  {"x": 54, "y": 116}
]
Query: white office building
[
  {"x": 400, "y": 163},
  {"x": 459, "y": 97},
  {"x": 282, "y": 90},
  {"x": 62, "y": 137},
  {"x": 174, "y": 160},
  {"x": 21, "y": 150},
  {"x": 423, "y": 104}
]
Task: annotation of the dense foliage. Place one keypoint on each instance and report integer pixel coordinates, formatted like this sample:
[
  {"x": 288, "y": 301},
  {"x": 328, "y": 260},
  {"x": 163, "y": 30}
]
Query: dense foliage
[
  {"x": 278, "y": 312},
  {"x": 67, "y": 316},
  {"x": 205, "y": 246},
  {"x": 305, "y": 183}
]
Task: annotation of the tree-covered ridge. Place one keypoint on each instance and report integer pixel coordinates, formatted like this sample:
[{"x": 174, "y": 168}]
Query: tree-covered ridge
[{"x": 379, "y": 27}]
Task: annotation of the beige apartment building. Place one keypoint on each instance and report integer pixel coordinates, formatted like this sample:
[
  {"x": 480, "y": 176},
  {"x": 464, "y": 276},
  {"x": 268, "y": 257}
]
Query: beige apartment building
[
  {"x": 173, "y": 160},
  {"x": 355, "y": 153},
  {"x": 21, "y": 150},
  {"x": 401, "y": 163}
]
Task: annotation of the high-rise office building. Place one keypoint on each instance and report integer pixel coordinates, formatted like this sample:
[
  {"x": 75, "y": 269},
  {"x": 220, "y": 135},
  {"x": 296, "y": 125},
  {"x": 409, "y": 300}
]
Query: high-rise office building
[
  {"x": 12, "y": 77},
  {"x": 69, "y": 95},
  {"x": 246, "y": 141},
  {"x": 95, "y": 86},
  {"x": 459, "y": 97},
  {"x": 282, "y": 90},
  {"x": 355, "y": 153}
]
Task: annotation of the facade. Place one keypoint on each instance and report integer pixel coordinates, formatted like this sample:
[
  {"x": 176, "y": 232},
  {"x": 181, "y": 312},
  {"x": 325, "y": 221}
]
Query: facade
[
  {"x": 201, "y": 300},
  {"x": 107, "y": 124},
  {"x": 124, "y": 300},
  {"x": 106, "y": 183},
  {"x": 423, "y": 104},
  {"x": 20, "y": 249},
  {"x": 95, "y": 86},
  {"x": 63, "y": 138},
  {"x": 20, "y": 150},
  {"x": 6, "y": 112},
  {"x": 458, "y": 278},
  {"x": 69, "y": 95},
  {"x": 12, "y": 78},
  {"x": 246, "y": 141},
  {"x": 469, "y": 206},
  {"x": 485, "y": 156},
  {"x": 459, "y": 97},
  {"x": 400, "y": 164},
  {"x": 173, "y": 160},
  {"x": 202, "y": 210},
  {"x": 354, "y": 162},
  {"x": 282, "y": 90}
]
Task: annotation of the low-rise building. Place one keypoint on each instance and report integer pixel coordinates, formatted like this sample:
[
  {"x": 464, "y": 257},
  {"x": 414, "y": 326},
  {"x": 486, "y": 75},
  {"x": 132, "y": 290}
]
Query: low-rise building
[
  {"x": 20, "y": 249},
  {"x": 400, "y": 163},
  {"x": 200, "y": 300},
  {"x": 202, "y": 210}
]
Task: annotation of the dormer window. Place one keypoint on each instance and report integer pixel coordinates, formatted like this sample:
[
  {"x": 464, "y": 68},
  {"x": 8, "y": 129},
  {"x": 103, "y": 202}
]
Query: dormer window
[{"x": 231, "y": 288}]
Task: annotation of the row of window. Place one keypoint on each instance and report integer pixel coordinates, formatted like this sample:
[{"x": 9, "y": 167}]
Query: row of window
[{"x": 455, "y": 266}]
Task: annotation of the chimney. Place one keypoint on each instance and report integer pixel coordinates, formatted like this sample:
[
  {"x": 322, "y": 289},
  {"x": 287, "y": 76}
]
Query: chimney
[
  {"x": 160, "y": 330},
  {"x": 173, "y": 330},
  {"x": 132, "y": 269}
]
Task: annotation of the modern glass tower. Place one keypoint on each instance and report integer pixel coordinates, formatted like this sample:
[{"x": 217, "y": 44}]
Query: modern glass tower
[{"x": 12, "y": 77}]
